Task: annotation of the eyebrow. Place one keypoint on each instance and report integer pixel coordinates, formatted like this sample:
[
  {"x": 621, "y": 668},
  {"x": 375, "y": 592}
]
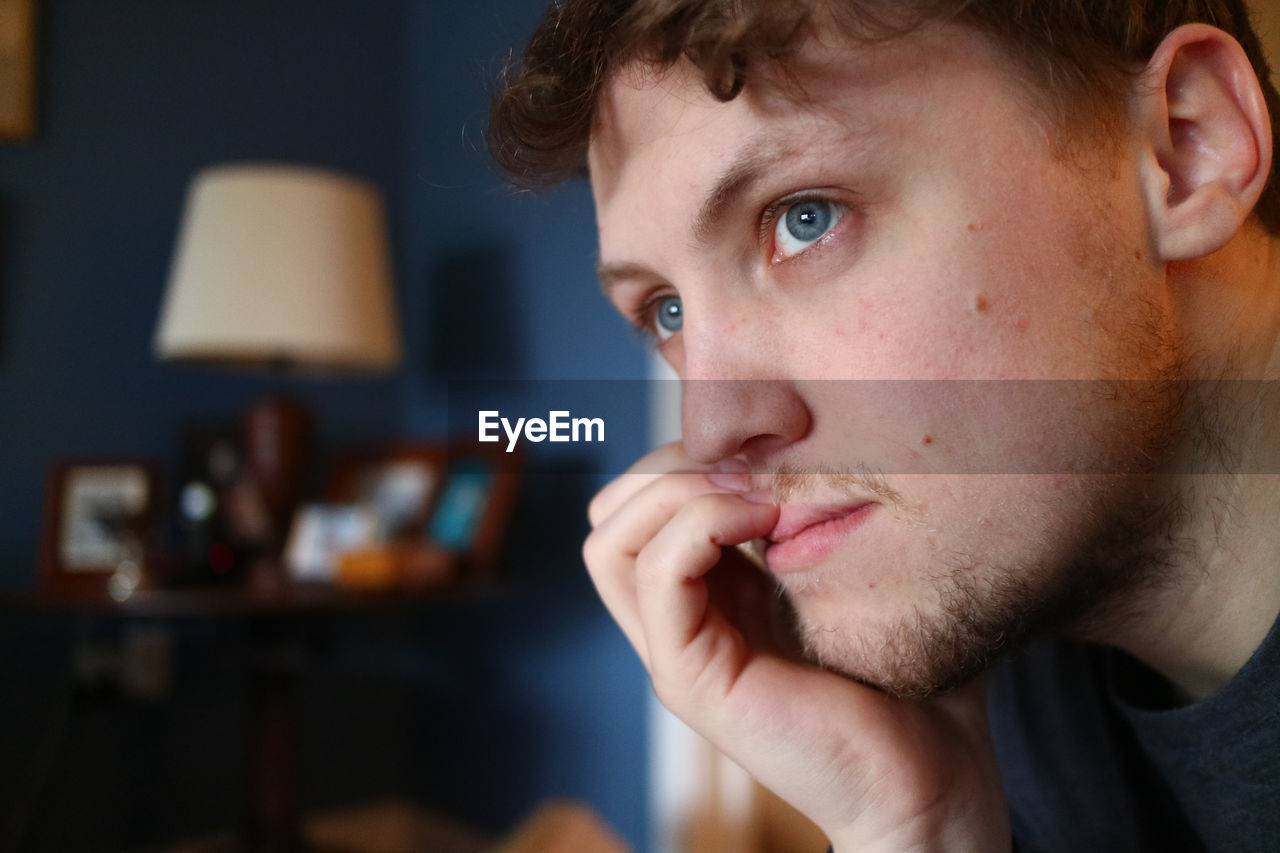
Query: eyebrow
[
  {"x": 745, "y": 170},
  {"x": 612, "y": 273}
]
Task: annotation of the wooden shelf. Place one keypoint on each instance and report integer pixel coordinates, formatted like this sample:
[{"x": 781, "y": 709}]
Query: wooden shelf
[{"x": 215, "y": 601}]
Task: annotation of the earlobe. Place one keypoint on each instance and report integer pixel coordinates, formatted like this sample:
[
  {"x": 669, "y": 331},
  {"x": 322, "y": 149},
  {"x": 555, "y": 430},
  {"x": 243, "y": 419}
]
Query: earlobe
[{"x": 1207, "y": 141}]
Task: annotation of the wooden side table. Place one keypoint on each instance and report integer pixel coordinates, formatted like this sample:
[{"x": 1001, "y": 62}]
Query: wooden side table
[{"x": 278, "y": 619}]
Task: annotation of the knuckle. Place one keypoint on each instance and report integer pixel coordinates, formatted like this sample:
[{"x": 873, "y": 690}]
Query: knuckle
[
  {"x": 648, "y": 569},
  {"x": 668, "y": 693},
  {"x": 596, "y": 509},
  {"x": 594, "y": 550}
]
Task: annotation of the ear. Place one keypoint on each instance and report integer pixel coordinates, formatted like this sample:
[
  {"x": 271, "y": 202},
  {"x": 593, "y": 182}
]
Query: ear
[{"x": 1206, "y": 135}]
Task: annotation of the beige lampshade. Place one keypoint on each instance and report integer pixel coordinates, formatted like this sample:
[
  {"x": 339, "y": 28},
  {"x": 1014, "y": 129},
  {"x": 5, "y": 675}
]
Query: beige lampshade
[{"x": 279, "y": 264}]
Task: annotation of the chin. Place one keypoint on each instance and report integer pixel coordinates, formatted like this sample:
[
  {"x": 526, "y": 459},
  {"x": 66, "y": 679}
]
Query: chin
[
  {"x": 910, "y": 659},
  {"x": 917, "y": 650}
]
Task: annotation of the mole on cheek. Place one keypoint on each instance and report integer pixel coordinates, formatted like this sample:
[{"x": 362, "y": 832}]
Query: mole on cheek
[
  {"x": 927, "y": 440},
  {"x": 980, "y": 304}
]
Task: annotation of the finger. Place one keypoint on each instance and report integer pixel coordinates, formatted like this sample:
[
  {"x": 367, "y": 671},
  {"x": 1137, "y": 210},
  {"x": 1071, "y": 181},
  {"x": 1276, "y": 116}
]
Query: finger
[
  {"x": 639, "y": 518},
  {"x": 617, "y": 594},
  {"x": 611, "y": 549},
  {"x": 672, "y": 595},
  {"x": 666, "y": 459}
]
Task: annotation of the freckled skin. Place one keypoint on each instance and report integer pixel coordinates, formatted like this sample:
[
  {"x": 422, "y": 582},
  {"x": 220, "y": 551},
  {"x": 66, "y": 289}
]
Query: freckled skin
[{"x": 894, "y": 274}]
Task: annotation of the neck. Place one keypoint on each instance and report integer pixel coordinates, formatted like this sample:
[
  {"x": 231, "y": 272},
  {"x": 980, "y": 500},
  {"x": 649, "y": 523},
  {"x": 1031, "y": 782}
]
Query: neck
[
  {"x": 1217, "y": 593},
  {"x": 1202, "y": 622}
]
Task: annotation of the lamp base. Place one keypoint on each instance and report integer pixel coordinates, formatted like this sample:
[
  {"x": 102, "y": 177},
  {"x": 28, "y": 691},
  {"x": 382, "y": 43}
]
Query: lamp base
[{"x": 278, "y": 432}]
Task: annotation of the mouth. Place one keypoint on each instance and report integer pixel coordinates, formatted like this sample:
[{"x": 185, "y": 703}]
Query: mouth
[{"x": 806, "y": 534}]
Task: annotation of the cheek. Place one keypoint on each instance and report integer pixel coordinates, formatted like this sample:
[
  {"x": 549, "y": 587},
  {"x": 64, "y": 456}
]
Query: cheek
[
  {"x": 1027, "y": 288},
  {"x": 938, "y": 300},
  {"x": 965, "y": 428},
  {"x": 1014, "y": 522},
  {"x": 925, "y": 321}
]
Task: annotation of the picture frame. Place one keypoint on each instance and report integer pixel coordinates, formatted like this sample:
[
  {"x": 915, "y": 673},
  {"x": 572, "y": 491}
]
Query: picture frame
[
  {"x": 321, "y": 534},
  {"x": 99, "y": 526},
  {"x": 18, "y": 69},
  {"x": 442, "y": 509},
  {"x": 397, "y": 483},
  {"x": 474, "y": 505},
  {"x": 392, "y": 489}
]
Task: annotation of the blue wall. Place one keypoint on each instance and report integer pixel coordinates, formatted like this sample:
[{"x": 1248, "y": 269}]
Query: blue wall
[{"x": 480, "y": 709}]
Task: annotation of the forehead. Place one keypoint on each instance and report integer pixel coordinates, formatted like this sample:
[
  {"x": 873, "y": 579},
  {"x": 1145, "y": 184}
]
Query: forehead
[
  {"x": 660, "y": 132},
  {"x": 648, "y": 114}
]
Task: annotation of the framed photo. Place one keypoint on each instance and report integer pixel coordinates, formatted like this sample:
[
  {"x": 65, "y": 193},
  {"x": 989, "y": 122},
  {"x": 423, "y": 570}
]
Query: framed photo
[
  {"x": 440, "y": 512},
  {"x": 99, "y": 526},
  {"x": 398, "y": 485},
  {"x": 475, "y": 504},
  {"x": 380, "y": 500},
  {"x": 321, "y": 534},
  {"x": 17, "y": 69}
]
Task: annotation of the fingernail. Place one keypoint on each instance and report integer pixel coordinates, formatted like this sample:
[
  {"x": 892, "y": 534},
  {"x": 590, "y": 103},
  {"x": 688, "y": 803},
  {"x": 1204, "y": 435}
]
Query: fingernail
[
  {"x": 733, "y": 482},
  {"x": 759, "y": 496},
  {"x": 732, "y": 465}
]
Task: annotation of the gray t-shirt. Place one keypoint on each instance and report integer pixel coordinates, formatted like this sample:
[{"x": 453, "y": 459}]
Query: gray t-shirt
[{"x": 1098, "y": 757}]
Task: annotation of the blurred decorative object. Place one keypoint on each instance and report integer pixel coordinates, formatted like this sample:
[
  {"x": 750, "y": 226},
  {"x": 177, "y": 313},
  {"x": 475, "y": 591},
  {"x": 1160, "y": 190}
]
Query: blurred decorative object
[
  {"x": 387, "y": 826},
  {"x": 441, "y": 510},
  {"x": 283, "y": 268},
  {"x": 398, "y": 486},
  {"x": 563, "y": 827},
  {"x": 17, "y": 69},
  {"x": 221, "y": 515},
  {"x": 99, "y": 527},
  {"x": 322, "y": 534},
  {"x": 475, "y": 504}
]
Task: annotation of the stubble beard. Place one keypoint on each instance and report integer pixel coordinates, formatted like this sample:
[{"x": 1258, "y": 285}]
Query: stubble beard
[
  {"x": 1127, "y": 542},
  {"x": 980, "y": 612}
]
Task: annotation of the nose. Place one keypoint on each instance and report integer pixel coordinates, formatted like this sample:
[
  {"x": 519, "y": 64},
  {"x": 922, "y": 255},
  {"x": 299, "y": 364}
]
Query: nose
[
  {"x": 739, "y": 395},
  {"x": 749, "y": 417}
]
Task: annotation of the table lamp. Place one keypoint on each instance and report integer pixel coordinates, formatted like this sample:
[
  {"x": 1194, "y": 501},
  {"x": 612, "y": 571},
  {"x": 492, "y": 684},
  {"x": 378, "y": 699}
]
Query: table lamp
[{"x": 281, "y": 268}]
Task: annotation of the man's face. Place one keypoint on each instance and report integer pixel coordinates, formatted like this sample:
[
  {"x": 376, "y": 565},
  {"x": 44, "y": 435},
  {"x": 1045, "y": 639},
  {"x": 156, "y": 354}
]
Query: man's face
[{"x": 907, "y": 216}]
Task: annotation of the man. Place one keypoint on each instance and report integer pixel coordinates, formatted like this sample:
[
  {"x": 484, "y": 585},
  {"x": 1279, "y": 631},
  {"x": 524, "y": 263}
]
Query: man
[{"x": 963, "y": 295}]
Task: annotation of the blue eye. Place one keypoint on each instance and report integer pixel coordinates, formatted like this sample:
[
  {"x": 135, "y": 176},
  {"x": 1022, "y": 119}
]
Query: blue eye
[
  {"x": 668, "y": 316},
  {"x": 805, "y": 223}
]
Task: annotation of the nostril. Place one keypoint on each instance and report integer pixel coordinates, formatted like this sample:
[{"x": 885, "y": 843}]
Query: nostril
[{"x": 764, "y": 445}]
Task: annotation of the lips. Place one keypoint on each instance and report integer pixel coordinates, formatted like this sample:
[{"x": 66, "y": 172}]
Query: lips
[
  {"x": 806, "y": 536},
  {"x": 794, "y": 520}
]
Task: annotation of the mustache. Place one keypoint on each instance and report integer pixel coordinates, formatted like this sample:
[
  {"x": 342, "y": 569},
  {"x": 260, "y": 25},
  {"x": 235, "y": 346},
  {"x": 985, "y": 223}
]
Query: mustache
[{"x": 787, "y": 483}]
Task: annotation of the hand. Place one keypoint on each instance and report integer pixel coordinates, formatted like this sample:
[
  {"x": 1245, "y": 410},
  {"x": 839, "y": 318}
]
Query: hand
[{"x": 874, "y": 772}]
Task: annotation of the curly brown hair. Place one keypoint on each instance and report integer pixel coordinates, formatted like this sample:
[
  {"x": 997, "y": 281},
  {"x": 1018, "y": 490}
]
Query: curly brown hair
[{"x": 1077, "y": 55}]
